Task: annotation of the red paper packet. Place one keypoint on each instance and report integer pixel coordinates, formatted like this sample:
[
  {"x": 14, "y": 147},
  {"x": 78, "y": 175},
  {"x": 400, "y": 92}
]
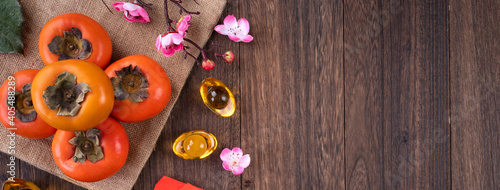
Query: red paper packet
[{"x": 167, "y": 183}]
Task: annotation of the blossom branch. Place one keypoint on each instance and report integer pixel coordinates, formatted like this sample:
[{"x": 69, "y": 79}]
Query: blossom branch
[
  {"x": 169, "y": 21},
  {"x": 191, "y": 55},
  {"x": 182, "y": 9},
  {"x": 175, "y": 38},
  {"x": 107, "y": 7},
  {"x": 148, "y": 5}
]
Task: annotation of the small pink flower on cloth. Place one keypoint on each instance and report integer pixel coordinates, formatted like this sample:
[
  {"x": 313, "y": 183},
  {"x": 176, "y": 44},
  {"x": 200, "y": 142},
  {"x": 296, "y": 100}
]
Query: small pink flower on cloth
[
  {"x": 234, "y": 160},
  {"x": 169, "y": 43},
  {"x": 183, "y": 25},
  {"x": 236, "y": 30},
  {"x": 133, "y": 12}
]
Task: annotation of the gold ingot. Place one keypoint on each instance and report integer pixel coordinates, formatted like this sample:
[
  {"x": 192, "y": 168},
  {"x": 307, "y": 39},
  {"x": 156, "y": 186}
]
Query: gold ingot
[
  {"x": 194, "y": 145},
  {"x": 217, "y": 97},
  {"x": 19, "y": 184}
]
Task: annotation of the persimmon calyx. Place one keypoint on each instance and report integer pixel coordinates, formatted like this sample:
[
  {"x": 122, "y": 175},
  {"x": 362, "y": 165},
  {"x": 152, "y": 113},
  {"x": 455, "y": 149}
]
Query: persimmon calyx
[
  {"x": 66, "y": 94},
  {"x": 25, "y": 112},
  {"x": 130, "y": 83},
  {"x": 87, "y": 146},
  {"x": 71, "y": 45}
]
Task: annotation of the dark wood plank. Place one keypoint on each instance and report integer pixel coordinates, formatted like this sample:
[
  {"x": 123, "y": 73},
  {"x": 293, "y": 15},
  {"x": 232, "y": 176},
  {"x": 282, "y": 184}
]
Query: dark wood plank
[
  {"x": 45, "y": 180},
  {"x": 292, "y": 95},
  {"x": 6, "y": 166},
  {"x": 396, "y": 100},
  {"x": 475, "y": 94},
  {"x": 190, "y": 113}
]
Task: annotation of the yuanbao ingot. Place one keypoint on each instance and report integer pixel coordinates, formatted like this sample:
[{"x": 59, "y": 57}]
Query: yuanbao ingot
[
  {"x": 19, "y": 184},
  {"x": 217, "y": 97},
  {"x": 194, "y": 145}
]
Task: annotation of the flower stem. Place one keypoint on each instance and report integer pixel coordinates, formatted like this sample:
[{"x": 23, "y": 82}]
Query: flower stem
[
  {"x": 191, "y": 42},
  {"x": 187, "y": 53},
  {"x": 197, "y": 46},
  {"x": 182, "y": 9},
  {"x": 169, "y": 21},
  {"x": 148, "y": 5},
  {"x": 107, "y": 7}
]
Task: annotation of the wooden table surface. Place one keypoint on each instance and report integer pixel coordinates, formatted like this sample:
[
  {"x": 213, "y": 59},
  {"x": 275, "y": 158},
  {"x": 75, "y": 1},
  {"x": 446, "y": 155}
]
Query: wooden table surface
[{"x": 355, "y": 94}]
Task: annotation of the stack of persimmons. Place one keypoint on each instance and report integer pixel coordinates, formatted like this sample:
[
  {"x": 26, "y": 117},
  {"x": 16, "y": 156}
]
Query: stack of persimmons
[{"x": 79, "y": 96}]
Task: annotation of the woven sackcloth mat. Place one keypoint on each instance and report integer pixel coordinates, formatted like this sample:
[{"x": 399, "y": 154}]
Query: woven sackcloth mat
[{"x": 128, "y": 39}]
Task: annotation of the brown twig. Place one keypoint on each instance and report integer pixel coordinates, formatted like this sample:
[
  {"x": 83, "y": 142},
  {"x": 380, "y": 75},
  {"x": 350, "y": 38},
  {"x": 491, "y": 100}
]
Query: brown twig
[
  {"x": 107, "y": 7},
  {"x": 191, "y": 55},
  {"x": 148, "y": 5},
  {"x": 182, "y": 9},
  {"x": 169, "y": 21}
]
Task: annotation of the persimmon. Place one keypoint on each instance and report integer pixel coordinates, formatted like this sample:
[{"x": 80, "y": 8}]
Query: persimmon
[
  {"x": 141, "y": 88},
  {"x": 74, "y": 36},
  {"x": 91, "y": 155},
  {"x": 16, "y": 107},
  {"x": 72, "y": 95}
]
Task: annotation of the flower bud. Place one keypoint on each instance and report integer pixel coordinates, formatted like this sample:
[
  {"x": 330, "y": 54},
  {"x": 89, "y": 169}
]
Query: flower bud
[
  {"x": 228, "y": 57},
  {"x": 208, "y": 64}
]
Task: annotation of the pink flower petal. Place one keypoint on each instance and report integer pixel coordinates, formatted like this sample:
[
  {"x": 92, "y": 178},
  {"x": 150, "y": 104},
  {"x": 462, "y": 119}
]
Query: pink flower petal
[
  {"x": 182, "y": 33},
  {"x": 237, "y": 150},
  {"x": 225, "y": 154},
  {"x": 183, "y": 26},
  {"x": 187, "y": 17},
  {"x": 233, "y": 37},
  {"x": 230, "y": 21},
  {"x": 128, "y": 17},
  {"x": 118, "y": 6},
  {"x": 245, "y": 161},
  {"x": 222, "y": 29},
  {"x": 178, "y": 47},
  {"x": 225, "y": 165},
  {"x": 247, "y": 39},
  {"x": 167, "y": 52},
  {"x": 158, "y": 43},
  {"x": 130, "y": 6},
  {"x": 238, "y": 170},
  {"x": 134, "y": 12},
  {"x": 244, "y": 26},
  {"x": 144, "y": 14},
  {"x": 177, "y": 38},
  {"x": 166, "y": 41}
]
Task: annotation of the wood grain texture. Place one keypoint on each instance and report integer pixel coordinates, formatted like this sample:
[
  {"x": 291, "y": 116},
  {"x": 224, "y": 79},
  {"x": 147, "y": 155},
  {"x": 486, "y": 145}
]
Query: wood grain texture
[
  {"x": 396, "y": 83},
  {"x": 292, "y": 95},
  {"x": 475, "y": 94}
]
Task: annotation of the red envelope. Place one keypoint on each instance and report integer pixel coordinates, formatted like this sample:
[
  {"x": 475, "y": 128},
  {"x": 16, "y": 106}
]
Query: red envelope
[{"x": 167, "y": 183}]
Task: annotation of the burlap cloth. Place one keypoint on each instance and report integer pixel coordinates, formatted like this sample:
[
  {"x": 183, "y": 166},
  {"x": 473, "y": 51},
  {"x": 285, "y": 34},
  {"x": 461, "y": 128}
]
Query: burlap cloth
[{"x": 128, "y": 39}]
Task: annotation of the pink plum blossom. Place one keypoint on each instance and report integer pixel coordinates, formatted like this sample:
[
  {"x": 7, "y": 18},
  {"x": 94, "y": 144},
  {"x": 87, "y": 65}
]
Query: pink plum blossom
[
  {"x": 169, "y": 43},
  {"x": 234, "y": 160},
  {"x": 236, "y": 30},
  {"x": 133, "y": 12},
  {"x": 183, "y": 25}
]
